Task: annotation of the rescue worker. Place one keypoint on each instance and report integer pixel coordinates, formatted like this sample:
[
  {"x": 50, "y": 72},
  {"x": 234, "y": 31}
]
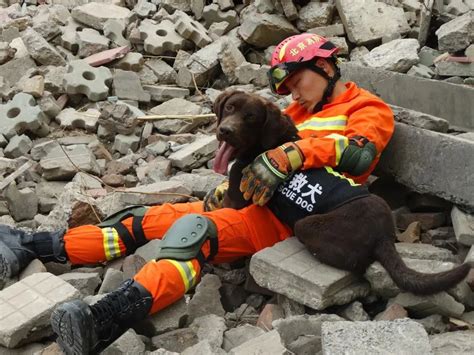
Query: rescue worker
[{"x": 342, "y": 127}]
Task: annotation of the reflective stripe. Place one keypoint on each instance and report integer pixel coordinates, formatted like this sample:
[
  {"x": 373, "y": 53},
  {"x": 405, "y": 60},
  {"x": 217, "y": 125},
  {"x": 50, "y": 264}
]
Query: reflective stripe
[
  {"x": 187, "y": 272},
  {"x": 270, "y": 166},
  {"x": 335, "y": 173},
  {"x": 340, "y": 143},
  {"x": 111, "y": 243},
  {"x": 336, "y": 123}
]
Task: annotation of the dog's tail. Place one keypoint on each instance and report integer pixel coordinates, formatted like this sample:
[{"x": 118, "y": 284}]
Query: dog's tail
[{"x": 411, "y": 280}]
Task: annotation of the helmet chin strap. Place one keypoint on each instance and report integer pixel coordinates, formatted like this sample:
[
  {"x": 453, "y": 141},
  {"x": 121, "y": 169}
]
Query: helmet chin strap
[{"x": 330, "y": 86}]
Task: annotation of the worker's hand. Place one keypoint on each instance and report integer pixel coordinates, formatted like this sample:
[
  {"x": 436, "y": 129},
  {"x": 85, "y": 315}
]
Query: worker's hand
[
  {"x": 261, "y": 178},
  {"x": 214, "y": 198}
]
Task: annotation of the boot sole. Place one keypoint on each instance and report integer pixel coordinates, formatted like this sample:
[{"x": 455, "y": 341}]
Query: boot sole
[
  {"x": 73, "y": 323},
  {"x": 8, "y": 263}
]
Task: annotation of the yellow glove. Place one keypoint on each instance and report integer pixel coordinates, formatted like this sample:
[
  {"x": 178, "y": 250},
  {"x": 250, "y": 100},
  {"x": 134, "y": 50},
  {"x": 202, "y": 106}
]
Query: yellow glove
[{"x": 214, "y": 199}]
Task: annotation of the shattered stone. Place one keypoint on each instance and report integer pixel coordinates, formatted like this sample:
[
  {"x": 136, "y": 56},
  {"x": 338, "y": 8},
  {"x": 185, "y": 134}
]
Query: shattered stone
[
  {"x": 463, "y": 224},
  {"x": 70, "y": 118},
  {"x": 128, "y": 343},
  {"x": 398, "y": 55},
  {"x": 366, "y": 22},
  {"x": 86, "y": 283},
  {"x": 207, "y": 299},
  {"x": 392, "y": 312},
  {"x": 355, "y": 312},
  {"x": 178, "y": 193},
  {"x": 446, "y": 68},
  {"x": 458, "y": 342},
  {"x": 230, "y": 58},
  {"x": 18, "y": 146},
  {"x": 126, "y": 85},
  {"x": 177, "y": 340},
  {"x": 433, "y": 324},
  {"x": 95, "y": 14},
  {"x": 315, "y": 14},
  {"x": 90, "y": 42},
  {"x": 457, "y": 34},
  {"x": 239, "y": 335},
  {"x": 422, "y": 306},
  {"x": 40, "y": 50},
  {"x": 165, "y": 73},
  {"x": 268, "y": 342},
  {"x": 199, "y": 183},
  {"x": 422, "y": 71},
  {"x": 195, "y": 154},
  {"x": 166, "y": 93},
  {"x": 22, "y": 204},
  {"x": 123, "y": 143}
]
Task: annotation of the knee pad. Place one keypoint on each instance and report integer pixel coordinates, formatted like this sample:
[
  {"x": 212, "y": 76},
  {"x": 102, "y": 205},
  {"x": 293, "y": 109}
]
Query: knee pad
[{"x": 184, "y": 239}]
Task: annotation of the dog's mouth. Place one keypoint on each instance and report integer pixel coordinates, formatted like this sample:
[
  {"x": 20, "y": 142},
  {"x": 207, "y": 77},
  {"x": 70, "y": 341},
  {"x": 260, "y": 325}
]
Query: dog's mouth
[{"x": 224, "y": 155}]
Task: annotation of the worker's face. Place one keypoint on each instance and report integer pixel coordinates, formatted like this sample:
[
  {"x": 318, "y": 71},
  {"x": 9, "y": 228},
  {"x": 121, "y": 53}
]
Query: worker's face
[{"x": 307, "y": 87}]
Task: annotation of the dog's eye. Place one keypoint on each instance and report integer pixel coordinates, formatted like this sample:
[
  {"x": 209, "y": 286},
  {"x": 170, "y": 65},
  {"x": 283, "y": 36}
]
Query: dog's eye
[{"x": 228, "y": 108}]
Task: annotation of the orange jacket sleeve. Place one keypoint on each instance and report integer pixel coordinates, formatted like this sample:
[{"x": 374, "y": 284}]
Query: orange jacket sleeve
[{"x": 370, "y": 118}]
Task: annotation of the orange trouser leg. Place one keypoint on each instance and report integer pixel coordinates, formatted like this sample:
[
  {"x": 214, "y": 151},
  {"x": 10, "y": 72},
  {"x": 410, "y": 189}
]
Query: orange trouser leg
[
  {"x": 240, "y": 233},
  {"x": 91, "y": 244}
]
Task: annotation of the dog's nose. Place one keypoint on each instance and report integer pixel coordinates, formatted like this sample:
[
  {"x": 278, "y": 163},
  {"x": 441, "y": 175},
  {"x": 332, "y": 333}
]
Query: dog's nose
[{"x": 225, "y": 131}]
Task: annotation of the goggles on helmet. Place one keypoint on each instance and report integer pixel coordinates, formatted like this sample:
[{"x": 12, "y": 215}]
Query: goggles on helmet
[{"x": 280, "y": 72}]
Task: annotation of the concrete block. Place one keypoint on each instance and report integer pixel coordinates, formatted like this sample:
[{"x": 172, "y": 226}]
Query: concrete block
[
  {"x": 211, "y": 14},
  {"x": 22, "y": 114},
  {"x": 207, "y": 299},
  {"x": 112, "y": 280},
  {"x": 81, "y": 78},
  {"x": 402, "y": 335},
  {"x": 463, "y": 224},
  {"x": 18, "y": 146},
  {"x": 269, "y": 342},
  {"x": 264, "y": 30},
  {"x": 197, "y": 7},
  {"x": 22, "y": 204},
  {"x": 113, "y": 30},
  {"x": 209, "y": 328},
  {"x": 70, "y": 118},
  {"x": 165, "y": 93},
  {"x": 164, "y": 321},
  {"x": 239, "y": 335},
  {"x": 165, "y": 73},
  {"x": 126, "y": 86},
  {"x": 457, "y": 34},
  {"x": 420, "y": 119},
  {"x": 422, "y": 71},
  {"x": 14, "y": 69},
  {"x": 398, "y": 55},
  {"x": 446, "y": 68},
  {"x": 368, "y": 21},
  {"x": 410, "y": 144},
  {"x": 290, "y": 11},
  {"x": 86, "y": 283},
  {"x": 335, "y": 30},
  {"x": 422, "y": 306},
  {"x": 230, "y": 57},
  {"x": 144, "y": 8},
  {"x": 315, "y": 14},
  {"x": 26, "y": 307},
  {"x": 303, "y": 278},
  {"x": 457, "y": 342},
  {"x": 178, "y": 192},
  {"x": 160, "y": 38},
  {"x": 128, "y": 343},
  {"x": 132, "y": 61},
  {"x": 90, "y": 42},
  {"x": 33, "y": 86},
  {"x": 123, "y": 143},
  {"x": 40, "y": 50},
  {"x": 173, "y": 5},
  {"x": 57, "y": 166},
  {"x": 225, "y": 4},
  {"x": 417, "y": 93},
  {"x": 191, "y": 29},
  {"x": 96, "y": 14},
  {"x": 195, "y": 154}
]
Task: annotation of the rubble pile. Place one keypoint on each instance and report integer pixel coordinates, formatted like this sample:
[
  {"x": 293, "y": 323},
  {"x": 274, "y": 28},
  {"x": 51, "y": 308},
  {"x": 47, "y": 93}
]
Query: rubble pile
[{"x": 79, "y": 83}]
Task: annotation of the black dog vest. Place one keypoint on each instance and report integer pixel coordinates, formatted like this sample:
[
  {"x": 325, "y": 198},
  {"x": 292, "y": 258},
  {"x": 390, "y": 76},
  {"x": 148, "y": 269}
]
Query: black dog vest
[{"x": 313, "y": 191}]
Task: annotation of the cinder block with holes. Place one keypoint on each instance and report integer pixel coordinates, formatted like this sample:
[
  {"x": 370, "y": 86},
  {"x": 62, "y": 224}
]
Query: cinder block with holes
[
  {"x": 212, "y": 13},
  {"x": 113, "y": 30},
  {"x": 81, "y": 78},
  {"x": 190, "y": 29},
  {"x": 22, "y": 114},
  {"x": 160, "y": 38}
]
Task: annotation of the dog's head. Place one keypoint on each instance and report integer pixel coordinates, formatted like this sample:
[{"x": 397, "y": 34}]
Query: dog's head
[{"x": 247, "y": 125}]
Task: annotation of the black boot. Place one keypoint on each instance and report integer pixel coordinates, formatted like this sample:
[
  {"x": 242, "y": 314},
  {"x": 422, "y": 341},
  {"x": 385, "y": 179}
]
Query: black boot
[
  {"x": 84, "y": 329},
  {"x": 19, "y": 248}
]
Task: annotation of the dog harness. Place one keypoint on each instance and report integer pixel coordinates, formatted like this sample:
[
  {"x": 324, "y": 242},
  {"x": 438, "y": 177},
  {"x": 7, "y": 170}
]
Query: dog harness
[{"x": 313, "y": 191}]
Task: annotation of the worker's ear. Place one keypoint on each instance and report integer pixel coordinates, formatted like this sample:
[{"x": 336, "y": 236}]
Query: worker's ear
[{"x": 323, "y": 64}]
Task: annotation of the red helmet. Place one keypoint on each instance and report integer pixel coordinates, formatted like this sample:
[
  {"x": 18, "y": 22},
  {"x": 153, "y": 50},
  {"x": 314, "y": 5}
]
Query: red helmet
[{"x": 294, "y": 53}]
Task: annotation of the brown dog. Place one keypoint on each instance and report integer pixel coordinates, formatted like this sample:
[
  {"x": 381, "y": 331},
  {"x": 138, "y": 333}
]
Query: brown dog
[{"x": 352, "y": 235}]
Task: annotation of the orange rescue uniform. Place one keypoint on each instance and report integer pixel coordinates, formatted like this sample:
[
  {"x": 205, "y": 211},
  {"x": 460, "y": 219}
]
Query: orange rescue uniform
[{"x": 241, "y": 233}]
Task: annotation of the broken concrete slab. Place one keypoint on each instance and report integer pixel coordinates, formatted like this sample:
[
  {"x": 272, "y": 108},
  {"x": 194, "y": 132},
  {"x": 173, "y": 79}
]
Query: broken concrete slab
[
  {"x": 165, "y": 93},
  {"x": 416, "y": 93},
  {"x": 195, "y": 154},
  {"x": 302, "y": 277},
  {"x": 96, "y": 14},
  {"x": 128, "y": 343},
  {"x": 457, "y": 34},
  {"x": 132, "y": 61},
  {"x": 70, "y": 118},
  {"x": 423, "y": 306},
  {"x": 420, "y": 119},
  {"x": 27, "y": 305},
  {"x": 91, "y": 42},
  {"x": 86, "y": 283},
  {"x": 263, "y": 30},
  {"x": 457, "y": 342},
  {"x": 57, "y": 166},
  {"x": 239, "y": 335},
  {"x": 269, "y": 342},
  {"x": 404, "y": 335},
  {"x": 132, "y": 196},
  {"x": 207, "y": 299},
  {"x": 410, "y": 144},
  {"x": 22, "y": 204},
  {"x": 40, "y": 50},
  {"x": 446, "y": 68},
  {"x": 368, "y": 21},
  {"x": 18, "y": 146},
  {"x": 315, "y": 14},
  {"x": 398, "y": 55},
  {"x": 126, "y": 86}
]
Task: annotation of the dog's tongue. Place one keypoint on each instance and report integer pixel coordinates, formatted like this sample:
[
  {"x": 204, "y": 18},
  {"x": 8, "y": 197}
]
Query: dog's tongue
[{"x": 223, "y": 155}]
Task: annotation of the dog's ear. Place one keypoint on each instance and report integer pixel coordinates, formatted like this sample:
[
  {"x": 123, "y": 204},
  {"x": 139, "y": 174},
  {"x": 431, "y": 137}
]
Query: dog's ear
[
  {"x": 220, "y": 101},
  {"x": 278, "y": 128}
]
